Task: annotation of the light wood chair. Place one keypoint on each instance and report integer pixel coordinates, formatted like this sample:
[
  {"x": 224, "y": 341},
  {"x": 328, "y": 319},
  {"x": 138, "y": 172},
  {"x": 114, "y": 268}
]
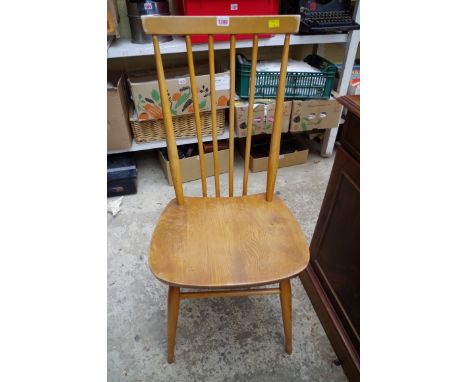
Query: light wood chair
[{"x": 228, "y": 245}]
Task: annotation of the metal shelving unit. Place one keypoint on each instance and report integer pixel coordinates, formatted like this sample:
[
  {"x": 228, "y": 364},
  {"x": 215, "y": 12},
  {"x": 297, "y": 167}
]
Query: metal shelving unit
[
  {"x": 125, "y": 48},
  {"x": 158, "y": 144}
]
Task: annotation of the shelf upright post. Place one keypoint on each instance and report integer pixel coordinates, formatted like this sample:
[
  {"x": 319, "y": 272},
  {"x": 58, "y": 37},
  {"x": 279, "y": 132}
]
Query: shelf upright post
[{"x": 352, "y": 43}]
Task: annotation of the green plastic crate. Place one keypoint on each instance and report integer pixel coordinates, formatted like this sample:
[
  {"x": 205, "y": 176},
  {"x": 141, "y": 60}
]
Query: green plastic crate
[{"x": 299, "y": 85}]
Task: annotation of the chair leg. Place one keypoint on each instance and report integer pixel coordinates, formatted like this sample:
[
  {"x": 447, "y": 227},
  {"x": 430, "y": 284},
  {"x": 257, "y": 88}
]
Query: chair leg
[
  {"x": 172, "y": 316},
  {"x": 286, "y": 308}
]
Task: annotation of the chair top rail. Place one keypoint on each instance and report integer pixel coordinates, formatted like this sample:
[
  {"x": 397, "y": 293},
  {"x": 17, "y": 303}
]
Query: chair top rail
[{"x": 193, "y": 25}]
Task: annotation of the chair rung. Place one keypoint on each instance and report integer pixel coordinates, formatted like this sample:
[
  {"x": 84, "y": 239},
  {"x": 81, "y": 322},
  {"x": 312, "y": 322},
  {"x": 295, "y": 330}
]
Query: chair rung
[{"x": 230, "y": 293}]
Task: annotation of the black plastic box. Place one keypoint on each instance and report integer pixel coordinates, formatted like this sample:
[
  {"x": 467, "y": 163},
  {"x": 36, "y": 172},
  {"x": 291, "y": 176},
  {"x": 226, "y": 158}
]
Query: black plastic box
[{"x": 121, "y": 175}]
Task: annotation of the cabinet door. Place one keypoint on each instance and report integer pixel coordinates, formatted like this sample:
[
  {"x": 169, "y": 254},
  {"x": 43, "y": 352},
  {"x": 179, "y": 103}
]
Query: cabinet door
[
  {"x": 350, "y": 137},
  {"x": 334, "y": 249}
]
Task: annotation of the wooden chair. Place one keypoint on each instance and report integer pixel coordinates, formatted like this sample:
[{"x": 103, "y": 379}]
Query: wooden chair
[{"x": 225, "y": 243}]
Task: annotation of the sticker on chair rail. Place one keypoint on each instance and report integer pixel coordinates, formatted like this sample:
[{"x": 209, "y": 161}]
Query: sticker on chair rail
[
  {"x": 273, "y": 23},
  {"x": 222, "y": 21}
]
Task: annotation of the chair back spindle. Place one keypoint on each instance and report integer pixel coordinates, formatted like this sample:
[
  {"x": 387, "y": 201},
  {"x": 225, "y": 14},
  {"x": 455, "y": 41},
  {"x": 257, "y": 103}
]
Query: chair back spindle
[
  {"x": 170, "y": 138},
  {"x": 214, "y": 131},
  {"x": 248, "y": 140},
  {"x": 196, "y": 108},
  {"x": 210, "y": 25},
  {"x": 273, "y": 157},
  {"x": 232, "y": 84}
]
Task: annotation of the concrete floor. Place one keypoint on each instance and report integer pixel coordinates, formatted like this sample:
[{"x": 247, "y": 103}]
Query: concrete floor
[{"x": 223, "y": 339}]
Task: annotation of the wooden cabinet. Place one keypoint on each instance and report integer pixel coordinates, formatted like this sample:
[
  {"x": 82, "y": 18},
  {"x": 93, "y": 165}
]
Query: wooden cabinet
[{"x": 332, "y": 276}]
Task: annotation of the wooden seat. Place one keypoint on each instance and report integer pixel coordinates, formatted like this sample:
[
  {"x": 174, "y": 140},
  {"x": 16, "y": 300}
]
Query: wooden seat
[{"x": 227, "y": 242}]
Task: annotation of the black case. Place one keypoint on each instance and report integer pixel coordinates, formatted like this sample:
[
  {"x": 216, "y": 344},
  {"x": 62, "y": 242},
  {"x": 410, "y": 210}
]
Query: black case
[{"x": 121, "y": 175}]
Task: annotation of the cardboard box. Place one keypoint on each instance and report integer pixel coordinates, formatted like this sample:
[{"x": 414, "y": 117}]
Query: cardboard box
[
  {"x": 263, "y": 117},
  {"x": 145, "y": 92},
  {"x": 190, "y": 167},
  {"x": 270, "y": 116},
  {"x": 315, "y": 114},
  {"x": 118, "y": 128},
  {"x": 286, "y": 160},
  {"x": 257, "y": 164},
  {"x": 240, "y": 118}
]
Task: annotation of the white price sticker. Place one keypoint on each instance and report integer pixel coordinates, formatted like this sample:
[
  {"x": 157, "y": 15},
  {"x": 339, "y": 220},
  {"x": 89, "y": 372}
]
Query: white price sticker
[
  {"x": 222, "y": 21},
  {"x": 182, "y": 81},
  {"x": 281, "y": 156},
  {"x": 234, "y": 7}
]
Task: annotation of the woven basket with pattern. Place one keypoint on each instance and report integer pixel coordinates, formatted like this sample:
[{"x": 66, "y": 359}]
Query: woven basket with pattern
[{"x": 184, "y": 126}]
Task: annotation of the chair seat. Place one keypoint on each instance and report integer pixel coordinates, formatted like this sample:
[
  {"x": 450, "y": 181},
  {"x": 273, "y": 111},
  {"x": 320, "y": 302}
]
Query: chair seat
[{"x": 227, "y": 242}]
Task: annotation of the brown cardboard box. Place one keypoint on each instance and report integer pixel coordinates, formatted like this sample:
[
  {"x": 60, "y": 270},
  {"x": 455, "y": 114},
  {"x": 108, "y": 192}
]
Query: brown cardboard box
[
  {"x": 190, "y": 167},
  {"x": 118, "y": 129},
  {"x": 315, "y": 114},
  {"x": 285, "y": 160},
  {"x": 145, "y": 92},
  {"x": 270, "y": 116},
  {"x": 258, "y": 123},
  {"x": 263, "y": 117},
  {"x": 256, "y": 164}
]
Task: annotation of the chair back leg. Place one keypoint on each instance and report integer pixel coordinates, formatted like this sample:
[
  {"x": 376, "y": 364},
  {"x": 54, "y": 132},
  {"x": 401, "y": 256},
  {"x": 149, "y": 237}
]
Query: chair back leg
[
  {"x": 286, "y": 308},
  {"x": 172, "y": 317}
]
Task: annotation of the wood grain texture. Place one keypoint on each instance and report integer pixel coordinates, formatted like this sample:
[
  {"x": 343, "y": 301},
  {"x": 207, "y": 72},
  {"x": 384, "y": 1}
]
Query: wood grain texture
[
  {"x": 234, "y": 242},
  {"x": 335, "y": 245},
  {"x": 248, "y": 139},
  {"x": 350, "y": 133},
  {"x": 232, "y": 85},
  {"x": 214, "y": 132},
  {"x": 352, "y": 102},
  {"x": 230, "y": 293},
  {"x": 275, "y": 141},
  {"x": 332, "y": 279},
  {"x": 332, "y": 325},
  {"x": 196, "y": 107},
  {"x": 227, "y": 242},
  {"x": 170, "y": 137},
  {"x": 182, "y": 25},
  {"x": 286, "y": 310},
  {"x": 173, "y": 299}
]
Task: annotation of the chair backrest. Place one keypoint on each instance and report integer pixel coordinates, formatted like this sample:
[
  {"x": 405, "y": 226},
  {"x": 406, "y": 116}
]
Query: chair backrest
[{"x": 232, "y": 25}]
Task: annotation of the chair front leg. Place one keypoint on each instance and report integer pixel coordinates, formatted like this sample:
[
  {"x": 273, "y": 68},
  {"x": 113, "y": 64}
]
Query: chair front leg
[
  {"x": 286, "y": 309},
  {"x": 172, "y": 317}
]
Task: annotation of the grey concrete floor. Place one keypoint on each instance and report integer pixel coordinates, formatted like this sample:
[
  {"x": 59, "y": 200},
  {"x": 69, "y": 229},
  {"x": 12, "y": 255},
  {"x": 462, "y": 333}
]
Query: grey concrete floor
[{"x": 222, "y": 339}]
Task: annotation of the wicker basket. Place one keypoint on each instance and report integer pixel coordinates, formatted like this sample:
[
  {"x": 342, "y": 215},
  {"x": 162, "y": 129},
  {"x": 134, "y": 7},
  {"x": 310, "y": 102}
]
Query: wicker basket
[{"x": 184, "y": 126}]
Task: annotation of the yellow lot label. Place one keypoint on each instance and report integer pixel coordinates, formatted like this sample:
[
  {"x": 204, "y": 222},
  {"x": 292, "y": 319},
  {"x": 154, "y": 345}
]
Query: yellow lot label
[{"x": 273, "y": 23}]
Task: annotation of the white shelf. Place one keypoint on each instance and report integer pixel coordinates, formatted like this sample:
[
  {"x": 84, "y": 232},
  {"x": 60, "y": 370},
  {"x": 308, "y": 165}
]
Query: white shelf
[
  {"x": 159, "y": 144},
  {"x": 125, "y": 48}
]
